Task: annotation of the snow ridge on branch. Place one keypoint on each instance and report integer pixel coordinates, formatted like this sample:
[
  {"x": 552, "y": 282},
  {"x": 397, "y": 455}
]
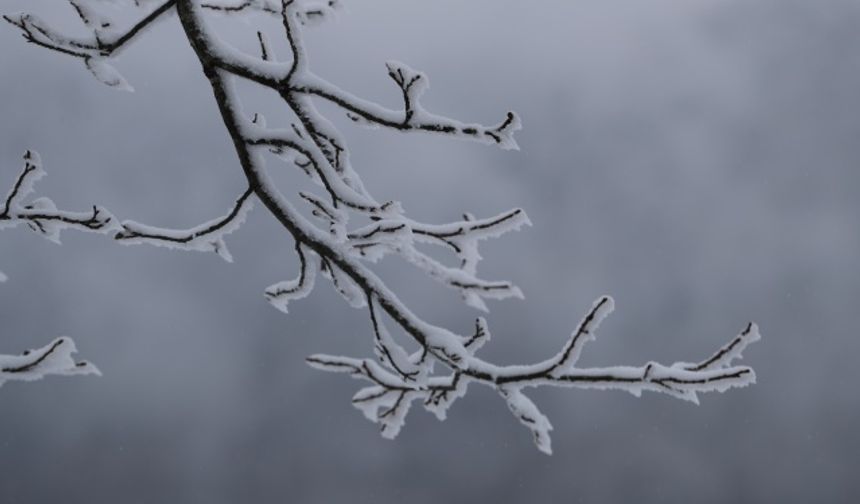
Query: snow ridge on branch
[
  {"x": 330, "y": 244},
  {"x": 54, "y": 358}
]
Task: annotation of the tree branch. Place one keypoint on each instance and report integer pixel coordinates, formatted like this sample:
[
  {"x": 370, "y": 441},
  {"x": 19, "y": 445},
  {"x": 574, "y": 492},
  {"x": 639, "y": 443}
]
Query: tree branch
[
  {"x": 41, "y": 215},
  {"x": 52, "y": 359},
  {"x": 207, "y": 237},
  {"x": 342, "y": 254},
  {"x": 393, "y": 391},
  {"x": 37, "y": 32},
  {"x": 95, "y": 51},
  {"x": 412, "y": 117}
]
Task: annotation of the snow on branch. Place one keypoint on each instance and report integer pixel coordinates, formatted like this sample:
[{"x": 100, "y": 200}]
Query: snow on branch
[
  {"x": 281, "y": 293},
  {"x": 54, "y": 358},
  {"x": 311, "y": 13},
  {"x": 96, "y": 50},
  {"x": 332, "y": 245},
  {"x": 207, "y": 237},
  {"x": 318, "y": 168},
  {"x": 242, "y": 6},
  {"x": 41, "y": 215},
  {"x": 388, "y": 399},
  {"x": 413, "y": 117}
]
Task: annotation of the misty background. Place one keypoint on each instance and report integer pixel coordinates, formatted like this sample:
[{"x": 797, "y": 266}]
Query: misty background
[{"x": 698, "y": 160}]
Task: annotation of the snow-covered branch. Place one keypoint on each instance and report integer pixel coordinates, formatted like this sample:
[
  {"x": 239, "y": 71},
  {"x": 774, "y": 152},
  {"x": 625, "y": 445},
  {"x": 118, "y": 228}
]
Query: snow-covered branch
[
  {"x": 54, "y": 358},
  {"x": 310, "y": 13},
  {"x": 207, "y": 237},
  {"x": 241, "y": 6},
  {"x": 96, "y": 50},
  {"x": 41, "y": 215},
  {"x": 413, "y": 117},
  {"x": 344, "y": 253},
  {"x": 387, "y": 400},
  {"x": 281, "y": 293},
  {"x": 104, "y": 42}
]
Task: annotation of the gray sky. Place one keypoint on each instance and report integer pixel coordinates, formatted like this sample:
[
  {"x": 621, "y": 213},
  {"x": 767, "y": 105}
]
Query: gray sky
[{"x": 695, "y": 159}]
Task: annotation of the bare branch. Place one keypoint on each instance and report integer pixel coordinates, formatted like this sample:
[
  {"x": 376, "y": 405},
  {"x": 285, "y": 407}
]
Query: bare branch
[{"x": 391, "y": 354}]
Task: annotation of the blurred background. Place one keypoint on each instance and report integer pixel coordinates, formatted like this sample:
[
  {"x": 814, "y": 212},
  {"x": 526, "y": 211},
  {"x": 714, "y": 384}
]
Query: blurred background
[{"x": 695, "y": 159}]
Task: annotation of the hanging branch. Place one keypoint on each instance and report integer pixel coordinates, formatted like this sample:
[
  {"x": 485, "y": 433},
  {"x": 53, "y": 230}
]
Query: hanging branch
[{"x": 344, "y": 254}]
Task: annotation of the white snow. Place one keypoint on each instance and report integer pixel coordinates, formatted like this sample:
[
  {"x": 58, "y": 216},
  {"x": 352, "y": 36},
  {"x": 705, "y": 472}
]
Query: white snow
[
  {"x": 107, "y": 74},
  {"x": 54, "y": 358}
]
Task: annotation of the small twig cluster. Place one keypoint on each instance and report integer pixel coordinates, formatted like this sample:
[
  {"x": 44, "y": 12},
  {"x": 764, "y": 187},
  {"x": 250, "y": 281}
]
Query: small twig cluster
[{"x": 41, "y": 215}]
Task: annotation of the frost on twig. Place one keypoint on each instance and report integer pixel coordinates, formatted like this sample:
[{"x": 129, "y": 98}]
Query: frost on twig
[
  {"x": 54, "y": 358},
  {"x": 96, "y": 50},
  {"x": 207, "y": 237},
  {"x": 243, "y": 6},
  {"x": 41, "y": 215},
  {"x": 387, "y": 400},
  {"x": 349, "y": 230}
]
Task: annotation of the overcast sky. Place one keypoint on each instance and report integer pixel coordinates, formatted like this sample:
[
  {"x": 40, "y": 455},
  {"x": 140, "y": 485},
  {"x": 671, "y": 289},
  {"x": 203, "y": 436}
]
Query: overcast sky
[{"x": 696, "y": 159}]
